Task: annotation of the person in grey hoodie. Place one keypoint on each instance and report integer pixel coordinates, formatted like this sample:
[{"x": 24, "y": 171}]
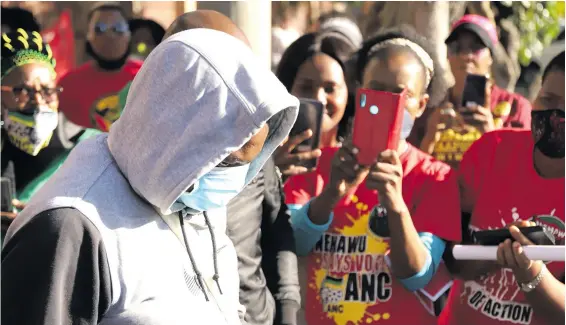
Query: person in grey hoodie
[
  {"x": 131, "y": 229},
  {"x": 258, "y": 221}
]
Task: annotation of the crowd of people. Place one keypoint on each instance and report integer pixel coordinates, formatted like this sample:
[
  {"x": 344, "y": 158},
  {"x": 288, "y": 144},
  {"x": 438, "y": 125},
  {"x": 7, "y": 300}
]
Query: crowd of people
[{"x": 180, "y": 196}]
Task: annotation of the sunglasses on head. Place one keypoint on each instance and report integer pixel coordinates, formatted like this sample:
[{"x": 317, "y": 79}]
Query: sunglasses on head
[{"x": 118, "y": 28}]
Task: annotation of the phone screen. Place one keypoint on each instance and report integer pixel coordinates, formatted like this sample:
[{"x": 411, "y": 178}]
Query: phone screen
[
  {"x": 310, "y": 117},
  {"x": 474, "y": 90}
]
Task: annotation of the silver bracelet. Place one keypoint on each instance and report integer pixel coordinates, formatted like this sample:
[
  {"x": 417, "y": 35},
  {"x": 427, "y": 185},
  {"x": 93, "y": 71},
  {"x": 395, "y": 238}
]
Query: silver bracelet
[{"x": 530, "y": 286}]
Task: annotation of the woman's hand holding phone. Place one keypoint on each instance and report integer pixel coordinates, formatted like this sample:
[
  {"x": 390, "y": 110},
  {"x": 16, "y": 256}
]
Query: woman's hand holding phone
[
  {"x": 478, "y": 116},
  {"x": 288, "y": 162},
  {"x": 435, "y": 124},
  {"x": 386, "y": 176},
  {"x": 510, "y": 254},
  {"x": 346, "y": 173}
]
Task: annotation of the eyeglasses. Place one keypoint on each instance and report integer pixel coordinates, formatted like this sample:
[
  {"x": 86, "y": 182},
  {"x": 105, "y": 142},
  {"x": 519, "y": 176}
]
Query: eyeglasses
[
  {"x": 457, "y": 48},
  {"x": 23, "y": 94},
  {"x": 118, "y": 28}
]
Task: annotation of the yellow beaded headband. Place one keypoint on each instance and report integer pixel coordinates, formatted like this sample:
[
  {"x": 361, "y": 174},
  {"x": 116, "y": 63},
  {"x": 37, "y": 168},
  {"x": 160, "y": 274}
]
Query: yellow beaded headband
[{"x": 19, "y": 49}]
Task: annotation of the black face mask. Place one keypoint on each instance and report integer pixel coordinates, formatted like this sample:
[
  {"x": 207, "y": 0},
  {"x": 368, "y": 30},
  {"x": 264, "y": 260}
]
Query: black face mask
[
  {"x": 548, "y": 130},
  {"x": 110, "y": 65}
]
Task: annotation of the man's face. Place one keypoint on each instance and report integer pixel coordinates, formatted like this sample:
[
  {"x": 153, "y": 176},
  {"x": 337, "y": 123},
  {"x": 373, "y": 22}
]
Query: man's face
[
  {"x": 109, "y": 34},
  {"x": 249, "y": 151}
]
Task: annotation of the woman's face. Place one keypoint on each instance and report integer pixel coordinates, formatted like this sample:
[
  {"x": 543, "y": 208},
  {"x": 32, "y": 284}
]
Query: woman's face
[
  {"x": 32, "y": 88},
  {"x": 551, "y": 94},
  {"x": 395, "y": 73},
  {"x": 322, "y": 78},
  {"x": 468, "y": 55}
]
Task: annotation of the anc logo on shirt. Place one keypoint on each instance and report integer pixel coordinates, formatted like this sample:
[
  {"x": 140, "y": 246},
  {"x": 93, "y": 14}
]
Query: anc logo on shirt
[
  {"x": 350, "y": 273},
  {"x": 105, "y": 111}
]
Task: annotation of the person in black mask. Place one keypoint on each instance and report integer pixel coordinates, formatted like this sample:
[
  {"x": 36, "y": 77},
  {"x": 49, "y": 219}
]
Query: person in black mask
[
  {"x": 515, "y": 178},
  {"x": 91, "y": 99}
]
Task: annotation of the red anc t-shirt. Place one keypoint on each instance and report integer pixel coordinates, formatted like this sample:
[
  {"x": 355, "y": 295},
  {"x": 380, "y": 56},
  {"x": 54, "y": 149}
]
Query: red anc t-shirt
[
  {"x": 349, "y": 282},
  {"x": 509, "y": 111},
  {"x": 500, "y": 185},
  {"x": 90, "y": 96}
]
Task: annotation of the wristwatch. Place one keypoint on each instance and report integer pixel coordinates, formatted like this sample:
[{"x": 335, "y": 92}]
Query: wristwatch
[{"x": 530, "y": 286}]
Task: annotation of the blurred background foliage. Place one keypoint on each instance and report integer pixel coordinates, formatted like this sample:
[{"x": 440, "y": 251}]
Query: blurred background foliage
[{"x": 539, "y": 23}]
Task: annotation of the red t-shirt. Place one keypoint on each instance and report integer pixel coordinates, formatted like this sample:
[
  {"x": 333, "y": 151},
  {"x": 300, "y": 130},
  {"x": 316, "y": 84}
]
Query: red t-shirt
[
  {"x": 509, "y": 111},
  {"x": 500, "y": 184},
  {"x": 348, "y": 279},
  {"x": 90, "y": 96}
]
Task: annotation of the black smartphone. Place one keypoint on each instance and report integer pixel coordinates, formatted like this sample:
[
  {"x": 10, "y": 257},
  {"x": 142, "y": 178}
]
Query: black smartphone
[
  {"x": 474, "y": 90},
  {"x": 537, "y": 234},
  {"x": 310, "y": 117},
  {"x": 7, "y": 194}
]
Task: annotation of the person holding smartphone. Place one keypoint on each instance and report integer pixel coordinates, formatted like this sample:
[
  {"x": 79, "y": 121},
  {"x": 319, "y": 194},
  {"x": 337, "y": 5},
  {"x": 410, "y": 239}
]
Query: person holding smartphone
[
  {"x": 313, "y": 68},
  {"x": 375, "y": 233},
  {"x": 506, "y": 178},
  {"x": 449, "y": 129}
]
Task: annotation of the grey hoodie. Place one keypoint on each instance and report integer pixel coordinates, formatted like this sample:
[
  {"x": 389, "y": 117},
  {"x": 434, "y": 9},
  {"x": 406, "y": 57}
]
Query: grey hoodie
[{"x": 199, "y": 96}]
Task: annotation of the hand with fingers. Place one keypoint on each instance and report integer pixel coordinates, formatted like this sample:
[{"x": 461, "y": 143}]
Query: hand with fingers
[
  {"x": 478, "y": 116},
  {"x": 510, "y": 254},
  {"x": 346, "y": 173},
  {"x": 289, "y": 163},
  {"x": 386, "y": 176},
  {"x": 441, "y": 118}
]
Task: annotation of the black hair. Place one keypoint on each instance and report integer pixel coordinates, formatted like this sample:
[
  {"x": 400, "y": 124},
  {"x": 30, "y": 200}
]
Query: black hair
[
  {"x": 306, "y": 47},
  {"x": 157, "y": 31},
  {"x": 557, "y": 64},
  {"x": 16, "y": 18},
  {"x": 106, "y": 6},
  {"x": 437, "y": 87}
]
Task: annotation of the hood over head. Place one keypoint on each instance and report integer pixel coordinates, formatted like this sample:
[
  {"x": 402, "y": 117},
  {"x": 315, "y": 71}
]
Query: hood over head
[{"x": 199, "y": 96}]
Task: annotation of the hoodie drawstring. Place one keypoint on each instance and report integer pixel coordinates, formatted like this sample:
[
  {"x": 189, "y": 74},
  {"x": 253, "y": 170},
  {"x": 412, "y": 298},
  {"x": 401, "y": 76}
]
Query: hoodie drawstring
[
  {"x": 193, "y": 263},
  {"x": 214, "y": 256}
]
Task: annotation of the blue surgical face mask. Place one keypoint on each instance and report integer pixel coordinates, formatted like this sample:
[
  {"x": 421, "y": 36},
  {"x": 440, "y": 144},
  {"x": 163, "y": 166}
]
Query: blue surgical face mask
[
  {"x": 216, "y": 188},
  {"x": 407, "y": 125}
]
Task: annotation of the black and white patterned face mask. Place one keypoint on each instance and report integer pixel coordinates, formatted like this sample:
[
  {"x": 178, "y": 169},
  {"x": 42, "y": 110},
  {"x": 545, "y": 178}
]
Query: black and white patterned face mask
[{"x": 548, "y": 130}]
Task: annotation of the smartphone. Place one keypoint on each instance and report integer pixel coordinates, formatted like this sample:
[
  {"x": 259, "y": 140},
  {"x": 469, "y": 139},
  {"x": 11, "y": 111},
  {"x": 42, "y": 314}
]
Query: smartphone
[
  {"x": 474, "y": 90},
  {"x": 537, "y": 234},
  {"x": 7, "y": 194},
  {"x": 377, "y": 123},
  {"x": 310, "y": 117}
]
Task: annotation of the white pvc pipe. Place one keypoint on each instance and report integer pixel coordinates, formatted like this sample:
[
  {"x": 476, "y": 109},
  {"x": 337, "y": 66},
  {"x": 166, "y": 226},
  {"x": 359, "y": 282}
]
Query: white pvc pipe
[{"x": 489, "y": 253}]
